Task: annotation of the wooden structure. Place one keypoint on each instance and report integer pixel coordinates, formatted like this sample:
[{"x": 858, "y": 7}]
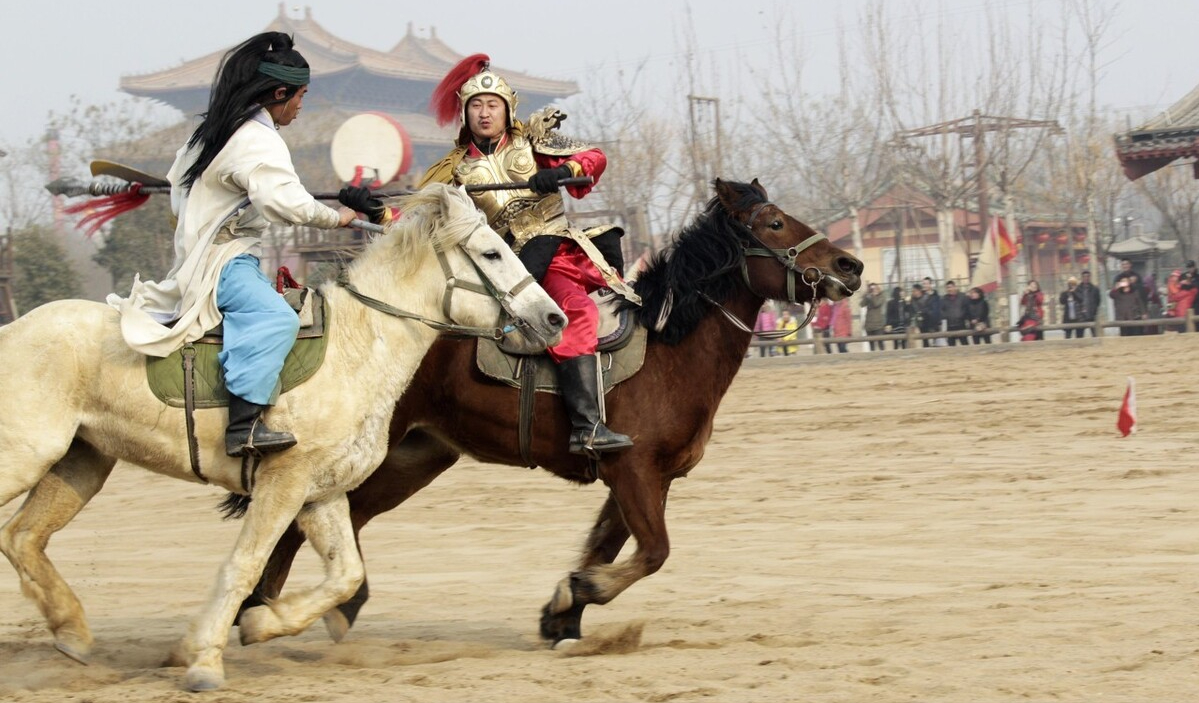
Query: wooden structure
[
  {"x": 900, "y": 243},
  {"x": 1172, "y": 135}
]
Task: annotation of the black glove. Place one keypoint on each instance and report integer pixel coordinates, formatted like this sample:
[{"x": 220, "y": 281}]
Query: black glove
[
  {"x": 546, "y": 180},
  {"x": 361, "y": 200}
]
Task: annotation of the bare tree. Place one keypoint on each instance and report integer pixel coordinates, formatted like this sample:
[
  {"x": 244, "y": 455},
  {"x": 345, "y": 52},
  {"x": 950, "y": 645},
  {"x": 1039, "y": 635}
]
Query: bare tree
[
  {"x": 1172, "y": 193},
  {"x": 640, "y": 187},
  {"x": 1085, "y": 173},
  {"x": 828, "y": 152},
  {"x": 23, "y": 201},
  {"x": 943, "y": 100}
]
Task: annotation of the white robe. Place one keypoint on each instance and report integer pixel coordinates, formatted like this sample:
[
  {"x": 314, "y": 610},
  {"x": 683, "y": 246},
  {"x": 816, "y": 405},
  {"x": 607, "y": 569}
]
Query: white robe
[{"x": 250, "y": 184}]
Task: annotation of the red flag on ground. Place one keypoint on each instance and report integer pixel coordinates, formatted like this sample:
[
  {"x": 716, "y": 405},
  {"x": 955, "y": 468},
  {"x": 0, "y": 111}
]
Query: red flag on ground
[{"x": 1127, "y": 420}]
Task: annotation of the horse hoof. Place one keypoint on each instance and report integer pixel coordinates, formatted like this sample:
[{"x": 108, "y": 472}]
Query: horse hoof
[
  {"x": 200, "y": 679},
  {"x": 258, "y": 624},
  {"x": 79, "y": 653},
  {"x": 564, "y": 644},
  {"x": 337, "y": 624}
]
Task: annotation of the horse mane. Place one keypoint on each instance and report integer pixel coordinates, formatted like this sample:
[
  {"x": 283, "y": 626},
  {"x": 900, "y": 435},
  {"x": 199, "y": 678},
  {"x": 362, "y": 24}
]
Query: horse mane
[
  {"x": 422, "y": 224},
  {"x": 696, "y": 264}
]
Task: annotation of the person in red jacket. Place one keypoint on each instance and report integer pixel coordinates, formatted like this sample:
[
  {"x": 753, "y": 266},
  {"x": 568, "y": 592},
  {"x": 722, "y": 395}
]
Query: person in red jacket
[
  {"x": 494, "y": 147},
  {"x": 1032, "y": 309},
  {"x": 842, "y": 323},
  {"x": 823, "y": 322}
]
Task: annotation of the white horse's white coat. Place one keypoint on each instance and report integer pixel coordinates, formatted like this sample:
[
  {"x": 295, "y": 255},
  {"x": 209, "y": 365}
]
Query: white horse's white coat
[{"x": 77, "y": 400}]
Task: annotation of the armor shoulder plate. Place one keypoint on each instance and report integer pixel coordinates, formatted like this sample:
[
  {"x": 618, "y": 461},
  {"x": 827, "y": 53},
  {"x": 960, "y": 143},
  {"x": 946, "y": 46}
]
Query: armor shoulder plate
[
  {"x": 443, "y": 171},
  {"x": 542, "y": 131}
]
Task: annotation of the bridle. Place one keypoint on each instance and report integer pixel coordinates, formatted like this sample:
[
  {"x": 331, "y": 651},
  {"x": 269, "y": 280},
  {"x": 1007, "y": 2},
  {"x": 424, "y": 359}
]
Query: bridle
[
  {"x": 787, "y": 257},
  {"x": 808, "y": 275},
  {"x": 505, "y": 298}
]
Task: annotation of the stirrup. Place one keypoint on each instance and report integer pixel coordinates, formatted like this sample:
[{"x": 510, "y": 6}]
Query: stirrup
[
  {"x": 587, "y": 446},
  {"x": 268, "y": 442}
]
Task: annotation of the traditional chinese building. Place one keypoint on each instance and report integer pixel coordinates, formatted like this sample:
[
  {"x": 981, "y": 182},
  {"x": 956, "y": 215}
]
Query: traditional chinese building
[
  {"x": 1174, "y": 134},
  {"x": 901, "y": 242},
  {"x": 347, "y": 80}
]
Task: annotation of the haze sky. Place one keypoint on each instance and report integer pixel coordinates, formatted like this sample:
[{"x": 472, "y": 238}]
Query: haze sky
[{"x": 52, "y": 51}]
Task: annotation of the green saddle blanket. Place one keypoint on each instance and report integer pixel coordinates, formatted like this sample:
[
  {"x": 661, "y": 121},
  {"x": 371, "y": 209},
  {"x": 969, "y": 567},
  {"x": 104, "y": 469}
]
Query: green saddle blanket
[
  {"x": 618, "y": 365},
  {"x": 166, "y": 375}
]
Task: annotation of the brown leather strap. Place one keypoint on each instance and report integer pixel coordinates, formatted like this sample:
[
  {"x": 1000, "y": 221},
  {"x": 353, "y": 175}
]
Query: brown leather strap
[
  {"x": 189, "y": 408},
  {"x": 528, "y": 393}
]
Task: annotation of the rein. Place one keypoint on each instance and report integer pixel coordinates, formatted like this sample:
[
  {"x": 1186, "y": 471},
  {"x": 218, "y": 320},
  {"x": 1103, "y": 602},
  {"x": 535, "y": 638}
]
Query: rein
[
  {"x": 504, "y": 298},
  {"x": 787, "y": 257}
]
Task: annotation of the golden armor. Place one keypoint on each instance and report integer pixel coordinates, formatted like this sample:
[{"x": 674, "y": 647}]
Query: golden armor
[{"x": 521, "y": 213}]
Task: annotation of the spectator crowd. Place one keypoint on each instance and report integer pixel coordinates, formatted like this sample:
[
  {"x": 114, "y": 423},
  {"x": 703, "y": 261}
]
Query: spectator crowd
[{"x": 965, "y": 317}]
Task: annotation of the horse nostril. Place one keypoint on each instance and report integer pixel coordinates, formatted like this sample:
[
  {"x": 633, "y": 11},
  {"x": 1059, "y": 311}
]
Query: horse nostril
[
  {"x": 849, "y": 264},
  {"x": 556, "y": 321}
]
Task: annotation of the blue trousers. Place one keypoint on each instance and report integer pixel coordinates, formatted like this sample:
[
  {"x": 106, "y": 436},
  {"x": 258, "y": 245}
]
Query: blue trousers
[{"x": 260, "y": 329}]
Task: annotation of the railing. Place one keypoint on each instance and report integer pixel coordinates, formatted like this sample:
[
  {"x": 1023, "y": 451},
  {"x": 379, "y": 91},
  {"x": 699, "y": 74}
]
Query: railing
[
  {"x": 914, "y": 338},
  {"x": 309, "y": 239}
]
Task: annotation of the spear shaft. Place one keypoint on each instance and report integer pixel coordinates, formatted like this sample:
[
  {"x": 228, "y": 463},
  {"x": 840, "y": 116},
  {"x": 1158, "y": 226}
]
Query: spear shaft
[{"x": 73, "y": 187}]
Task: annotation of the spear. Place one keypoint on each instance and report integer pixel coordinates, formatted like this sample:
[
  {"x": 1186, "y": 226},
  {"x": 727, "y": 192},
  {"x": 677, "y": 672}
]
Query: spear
[
  {"x": 111, "y": 199},
  {"x": 74, "y": 187}
]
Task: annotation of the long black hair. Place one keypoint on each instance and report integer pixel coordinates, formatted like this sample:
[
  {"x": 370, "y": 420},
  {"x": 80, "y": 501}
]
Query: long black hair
[{"x": 239, "y": 91}]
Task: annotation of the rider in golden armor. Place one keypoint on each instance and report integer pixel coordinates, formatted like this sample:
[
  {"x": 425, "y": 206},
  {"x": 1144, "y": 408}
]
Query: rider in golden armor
[{"x": 493, "y": 147}]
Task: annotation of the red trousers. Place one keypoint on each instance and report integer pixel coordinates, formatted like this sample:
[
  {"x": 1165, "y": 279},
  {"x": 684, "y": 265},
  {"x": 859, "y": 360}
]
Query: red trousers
[{"x": 571, "y": 276}]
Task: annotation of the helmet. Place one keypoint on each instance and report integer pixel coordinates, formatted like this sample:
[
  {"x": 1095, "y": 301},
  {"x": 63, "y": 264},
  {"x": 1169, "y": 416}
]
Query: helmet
[
  {"x": 486, "y": 82},
  {"x": 470, "y": 77}
]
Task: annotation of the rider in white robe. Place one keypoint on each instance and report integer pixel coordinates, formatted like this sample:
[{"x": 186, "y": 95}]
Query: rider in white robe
[
  {"x": 215, "y": 225},
  {"x": 231, "y": 180}
]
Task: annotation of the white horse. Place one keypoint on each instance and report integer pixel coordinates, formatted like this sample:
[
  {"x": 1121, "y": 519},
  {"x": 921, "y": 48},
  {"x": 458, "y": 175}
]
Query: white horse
[{"x": 78, "y": 401}]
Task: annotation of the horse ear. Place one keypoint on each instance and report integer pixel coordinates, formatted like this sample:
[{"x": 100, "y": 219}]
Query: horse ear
[
  {"x": 725, "y": 192},
  {"x": 760, "y": 188},
  {"x": 448, "y": 198}
]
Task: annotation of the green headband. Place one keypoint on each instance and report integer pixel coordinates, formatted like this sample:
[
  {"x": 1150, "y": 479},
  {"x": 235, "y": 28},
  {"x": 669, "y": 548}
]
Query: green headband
[{"x": 290, "y": 75}]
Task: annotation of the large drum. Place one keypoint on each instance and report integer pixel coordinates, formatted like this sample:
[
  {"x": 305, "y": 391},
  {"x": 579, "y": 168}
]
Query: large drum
[{"x": 372, "y": 149}]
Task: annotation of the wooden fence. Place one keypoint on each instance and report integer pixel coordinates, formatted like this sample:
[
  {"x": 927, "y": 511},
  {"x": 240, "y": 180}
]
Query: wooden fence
[{"x": 914, "y": 338}]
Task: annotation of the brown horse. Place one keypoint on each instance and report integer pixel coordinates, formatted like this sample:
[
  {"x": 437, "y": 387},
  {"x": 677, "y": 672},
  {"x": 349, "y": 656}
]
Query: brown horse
[{"x": 699, "y": 286}]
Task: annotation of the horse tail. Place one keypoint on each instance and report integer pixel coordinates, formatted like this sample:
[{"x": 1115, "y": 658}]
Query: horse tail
[{"x": 234, "y": 506}]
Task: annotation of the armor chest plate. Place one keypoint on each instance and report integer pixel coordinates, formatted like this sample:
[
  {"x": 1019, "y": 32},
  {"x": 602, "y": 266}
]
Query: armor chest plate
[{"x": 512, "y": 163}]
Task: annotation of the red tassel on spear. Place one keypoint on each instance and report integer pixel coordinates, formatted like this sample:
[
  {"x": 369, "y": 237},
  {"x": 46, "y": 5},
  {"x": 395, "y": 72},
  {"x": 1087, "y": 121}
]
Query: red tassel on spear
[
  {"x": 444, "y": 103},
  {"x": 98, "y": 211}
]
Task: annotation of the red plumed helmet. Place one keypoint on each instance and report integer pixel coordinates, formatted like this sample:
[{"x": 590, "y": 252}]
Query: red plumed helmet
[
  {"x": 445, "y": 104},
  {"x": 472, "y": 76}
]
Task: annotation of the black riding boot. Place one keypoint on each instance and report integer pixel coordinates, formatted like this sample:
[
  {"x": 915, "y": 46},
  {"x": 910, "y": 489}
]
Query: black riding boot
[
  {"x": 247, "y": 433},
  {"x": 580, "y": 391}
]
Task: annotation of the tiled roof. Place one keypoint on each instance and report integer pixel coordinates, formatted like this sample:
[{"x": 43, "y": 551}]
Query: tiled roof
[
  {"x": 414, "y": 58},
  {"x": 1183, "y": 114},
  {"x": 1173, "y": 134},
  {"x": 1140, "y": 244}
]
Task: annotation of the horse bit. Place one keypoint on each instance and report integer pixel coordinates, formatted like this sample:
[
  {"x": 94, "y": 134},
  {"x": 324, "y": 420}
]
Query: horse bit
[
  {"x": 810, "y": 275},
  {"x": 504, "y": 298}
]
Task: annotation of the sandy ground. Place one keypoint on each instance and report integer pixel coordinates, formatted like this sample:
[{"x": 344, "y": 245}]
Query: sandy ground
[{"x": 954, "y": 525}]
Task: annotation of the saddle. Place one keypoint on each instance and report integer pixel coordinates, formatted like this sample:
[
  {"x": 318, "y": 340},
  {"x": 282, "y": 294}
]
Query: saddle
[
  {"x": 621, "y": 347},
  {"x": 621, "y": 353},
  {"x": 196, "y": 363}
]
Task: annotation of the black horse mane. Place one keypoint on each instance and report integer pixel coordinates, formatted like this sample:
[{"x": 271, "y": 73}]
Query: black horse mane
[{"x": 703, "y": 259}]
